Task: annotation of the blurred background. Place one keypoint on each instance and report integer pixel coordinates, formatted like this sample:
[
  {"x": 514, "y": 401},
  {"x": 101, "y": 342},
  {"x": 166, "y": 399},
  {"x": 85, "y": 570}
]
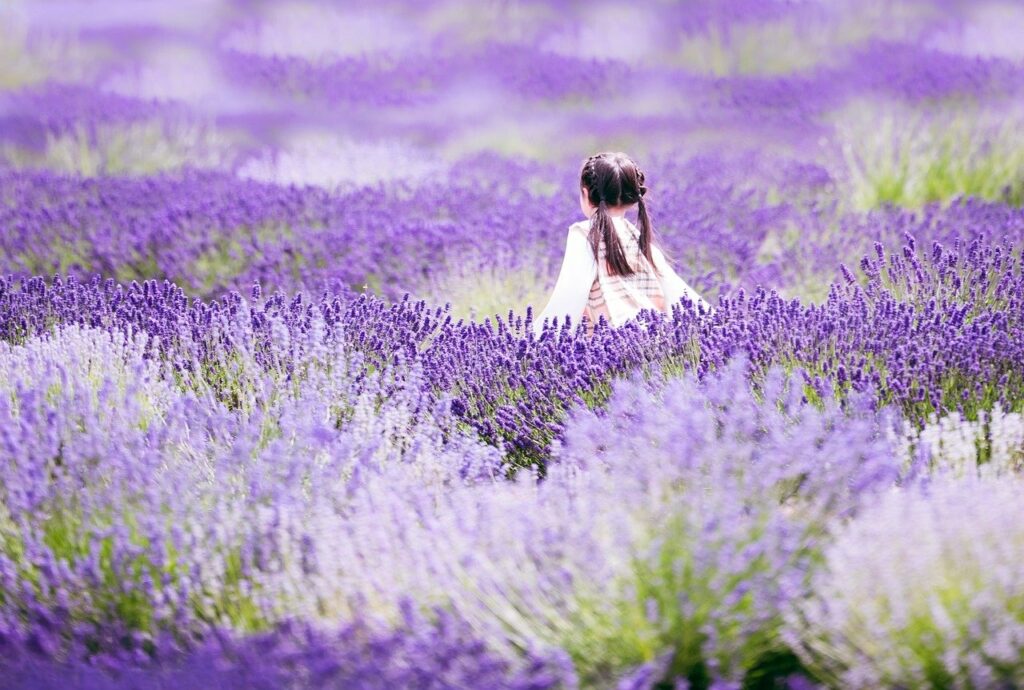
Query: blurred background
[{"x": 432, "y": 147}]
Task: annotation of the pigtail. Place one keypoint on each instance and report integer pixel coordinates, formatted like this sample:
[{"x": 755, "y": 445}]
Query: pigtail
[
  {"x": 601, "y": 228},
  {"x": 643, "y": 222},
  {"x": 618, "y": 264}
]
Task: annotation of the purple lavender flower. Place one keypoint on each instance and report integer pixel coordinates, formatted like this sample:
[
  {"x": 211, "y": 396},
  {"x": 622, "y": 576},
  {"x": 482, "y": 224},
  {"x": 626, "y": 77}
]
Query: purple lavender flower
[{"x": 919, "y": 590}]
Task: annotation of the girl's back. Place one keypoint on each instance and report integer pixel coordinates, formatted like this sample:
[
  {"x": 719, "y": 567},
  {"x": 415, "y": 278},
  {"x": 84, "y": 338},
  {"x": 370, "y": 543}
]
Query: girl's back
[{"x": 620, "y": 297}]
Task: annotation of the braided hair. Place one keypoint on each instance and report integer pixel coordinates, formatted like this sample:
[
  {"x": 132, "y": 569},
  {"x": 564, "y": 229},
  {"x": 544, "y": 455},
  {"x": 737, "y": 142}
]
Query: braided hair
[{"x": 613, "y": 179}]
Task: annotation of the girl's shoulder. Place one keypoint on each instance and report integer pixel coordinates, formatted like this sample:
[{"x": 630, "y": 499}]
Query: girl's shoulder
[{"x": 581, "y": 227}]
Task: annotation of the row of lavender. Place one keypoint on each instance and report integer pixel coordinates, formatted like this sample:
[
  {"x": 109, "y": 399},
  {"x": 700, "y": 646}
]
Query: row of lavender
[
  {"x": 938, "y": 327},
  {"x": 210, "y": 232},
  {"x": 801, "y": 99},
  {"x": 274, "y": 467}
]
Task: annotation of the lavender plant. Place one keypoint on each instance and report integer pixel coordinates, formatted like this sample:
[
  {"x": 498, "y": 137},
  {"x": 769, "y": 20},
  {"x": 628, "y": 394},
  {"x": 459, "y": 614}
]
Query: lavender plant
[
  {"x": 737, "y": 484},
  {"x": 920, "y": 591},
  {"x": 98, "y": 541},
  {"x": 991, "y": 446}
]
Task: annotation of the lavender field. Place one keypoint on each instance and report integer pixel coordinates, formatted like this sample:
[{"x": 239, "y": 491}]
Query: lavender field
[{"x": 273, "y": 413}]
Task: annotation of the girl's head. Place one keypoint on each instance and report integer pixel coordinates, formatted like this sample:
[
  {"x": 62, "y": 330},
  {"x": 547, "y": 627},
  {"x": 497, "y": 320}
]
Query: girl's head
[
  {"x": 610, "y": 183},
  {"x": 612, "y": 178}
]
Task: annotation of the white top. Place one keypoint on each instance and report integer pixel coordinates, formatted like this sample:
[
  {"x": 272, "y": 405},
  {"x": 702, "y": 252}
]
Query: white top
[{"x": 579, "y": 270}]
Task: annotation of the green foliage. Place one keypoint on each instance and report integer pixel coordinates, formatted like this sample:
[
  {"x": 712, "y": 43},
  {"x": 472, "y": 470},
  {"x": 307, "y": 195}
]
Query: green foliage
[
  {"x": 666, "y": 601},
  {"x": 233, "y": 600},
  {"x": 898, "y": 156},
  {"x": 59, "y": 256},
  {"x": 136, "y": 148},
  {"x": 143, "y": 267},
  {"x": 478, "y": 289}
]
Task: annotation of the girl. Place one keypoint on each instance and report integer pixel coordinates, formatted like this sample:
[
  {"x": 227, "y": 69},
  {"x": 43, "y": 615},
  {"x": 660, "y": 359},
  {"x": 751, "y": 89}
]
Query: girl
[{"x": 612, "y": 268}]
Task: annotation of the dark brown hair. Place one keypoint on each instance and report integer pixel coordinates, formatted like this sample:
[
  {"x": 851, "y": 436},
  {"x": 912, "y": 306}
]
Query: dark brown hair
[{"x": 613, "y": 179}]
